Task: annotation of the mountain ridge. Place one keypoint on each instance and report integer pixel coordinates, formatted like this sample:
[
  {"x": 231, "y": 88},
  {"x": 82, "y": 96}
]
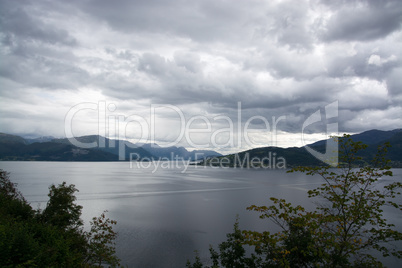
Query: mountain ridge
[
  {"x": 13, "y": 147},
  {"x": 299, "y": 156},
  {"x": 98, "y": 148}
]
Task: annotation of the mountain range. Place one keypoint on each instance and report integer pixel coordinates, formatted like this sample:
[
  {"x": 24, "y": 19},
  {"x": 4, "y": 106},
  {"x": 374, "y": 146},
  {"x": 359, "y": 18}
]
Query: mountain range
[
  {"x": 299, "y": 156},
  {"x": 47, "y": 148},
  {"x": 17, "y": 148}
]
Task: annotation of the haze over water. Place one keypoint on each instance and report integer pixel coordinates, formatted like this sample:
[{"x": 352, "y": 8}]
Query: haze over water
[{"x": 164, "y": 216}]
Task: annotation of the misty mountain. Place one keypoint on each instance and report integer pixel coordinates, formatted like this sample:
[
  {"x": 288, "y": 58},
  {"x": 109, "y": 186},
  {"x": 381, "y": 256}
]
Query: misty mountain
[
  {"x": 11, "y": 139},
  {"x": 16, "y": 148},
  {"x": 40, "y": 139},
  {"x": 177, "y": 152},
  {"x": 299, "y": 156},
  {"x": 144, "y": 151},
  {"x": 116, "y": 147},
  {"x": 200, "y": 154},
  {"x": 94, "y": 148}
]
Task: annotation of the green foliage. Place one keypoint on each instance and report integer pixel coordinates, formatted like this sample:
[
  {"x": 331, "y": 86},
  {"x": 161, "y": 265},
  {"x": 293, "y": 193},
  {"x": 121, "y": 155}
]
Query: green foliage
[
  {"x": 102, "y": 241},
  {"x": 344, "y": 230},
  {"x": 12, "y": 203},
  {"x": 7, "y": 188},
  {"x": 61, "y": 211},
  {"x": 232, "y": 253},
  {"x": 197, "y": 263},
  {"x": 347, "y": 222},
  {"x": 52, "y": 238}
]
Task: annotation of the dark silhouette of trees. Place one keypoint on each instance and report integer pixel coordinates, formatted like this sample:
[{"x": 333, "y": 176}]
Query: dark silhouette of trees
[{"x": 53, "y": 237}]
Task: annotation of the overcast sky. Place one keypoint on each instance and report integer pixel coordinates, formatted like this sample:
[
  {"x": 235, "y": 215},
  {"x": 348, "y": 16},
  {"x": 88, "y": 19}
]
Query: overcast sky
[{"x": 277, "y": 60}]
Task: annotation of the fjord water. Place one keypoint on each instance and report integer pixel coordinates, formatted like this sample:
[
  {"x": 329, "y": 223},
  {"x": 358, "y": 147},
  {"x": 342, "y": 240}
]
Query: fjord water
[{"x": 165, "y": 214}]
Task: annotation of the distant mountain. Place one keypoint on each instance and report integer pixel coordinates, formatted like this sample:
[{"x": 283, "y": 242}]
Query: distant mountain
[
  {"x": 145, "y": 151},
  {"x": 17, "y": 149},
  {"x": 13, "y": 147},
  {"x": 162, "y": 152},
  {"x": 202, "y": 154},
  {"x": 369, "y": 137},
  {"x": 177, "y": 152},
  {"x": 40, "y": 139},
  {"x": 11, "y": 139},
  {"x": 50, "y": 149},
  {"x": 298, "y": 156},
  {"x": 127, "y": 149},
  {"x": 395, "y": 152}
]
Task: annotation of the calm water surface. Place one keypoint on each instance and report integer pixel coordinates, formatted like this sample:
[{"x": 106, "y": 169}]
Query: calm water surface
[{"x": 164, "y": 215}]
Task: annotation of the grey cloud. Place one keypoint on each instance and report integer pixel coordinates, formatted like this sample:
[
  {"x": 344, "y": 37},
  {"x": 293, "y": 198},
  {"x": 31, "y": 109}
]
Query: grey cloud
[
  {"x": 19, "y": 20},
  {"x": 36, "y": 53},
  {"x": 394, "y": 84},
  {"x": 361, "y": 64},
  {"x": 190, "y": 61},
  {"x": 43, "y": 72},
  {"x": 174, "y": 84},
  {"x": 290, "y": 25},
  {"x": 125, "y": 54},
  {"x": 177, "y": 81},
  {"x": 387, "y": 119},
  {"x": 153, "y": 64},
  {"x": 210, "y": 54},
  {"x": 364, "y": 20},
  {"x": 202, "y": 21}
]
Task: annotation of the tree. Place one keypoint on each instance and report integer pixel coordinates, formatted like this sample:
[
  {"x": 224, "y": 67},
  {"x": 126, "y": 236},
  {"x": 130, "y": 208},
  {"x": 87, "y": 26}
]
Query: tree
[
  {"x": 17, "y": 245},
  {"x": 61, "y": 209},
  {"x": 53, "y": 237},
  {"x": 12, "y": 203},
  {"x": 347, "y": 224},
  {"x": 232, "y": 253},
  {"x": 102, "y": 241},
  {"x": 344, "y": 230},
  {"x": 7, "y": 188}
]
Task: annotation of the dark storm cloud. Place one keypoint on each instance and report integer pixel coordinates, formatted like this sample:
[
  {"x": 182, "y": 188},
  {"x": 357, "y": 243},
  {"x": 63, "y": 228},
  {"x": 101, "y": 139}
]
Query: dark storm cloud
[
  {"x": 363, "y": 20},
  {"x": 42, "y": 72},
  {"x": 33, "y": 48},
  {"x": 288, "y": 24},
  {"x": 20, "y": 23},
  {"x": 198, "y": 20}
]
